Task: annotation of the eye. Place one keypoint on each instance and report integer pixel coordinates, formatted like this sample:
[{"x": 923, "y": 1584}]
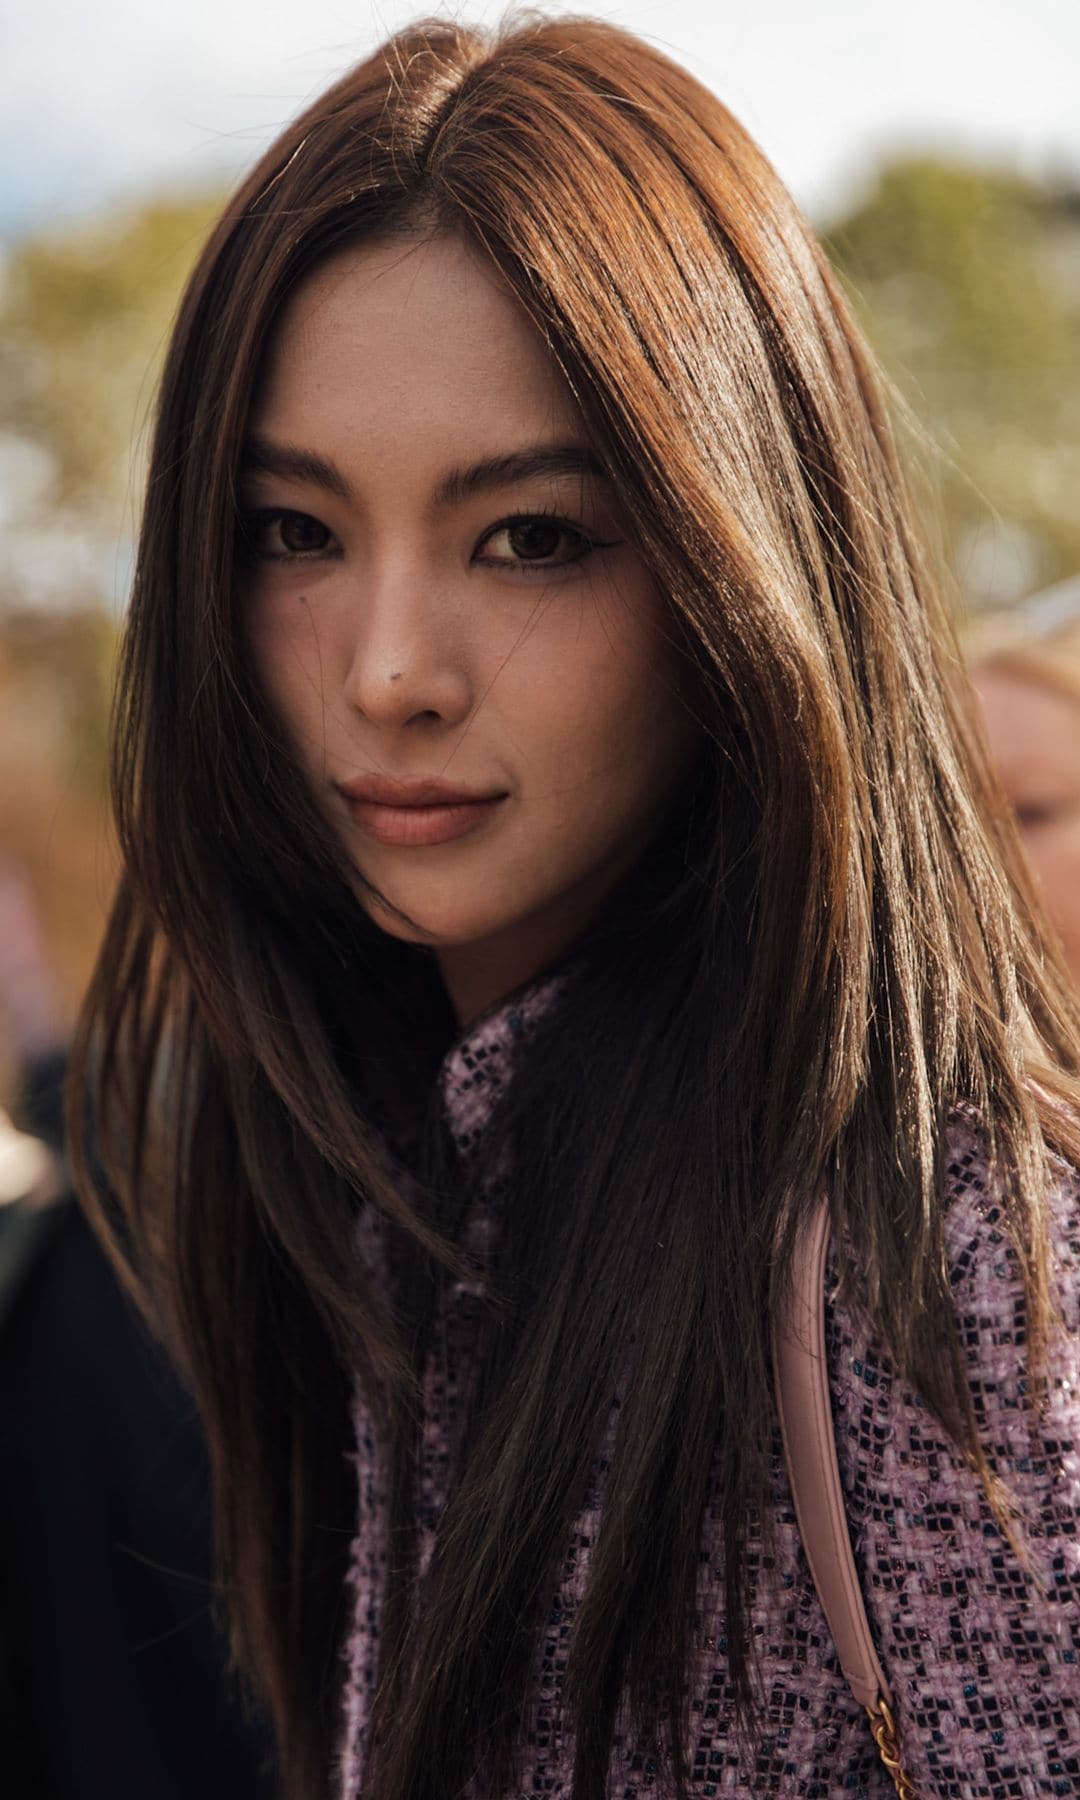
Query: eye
[
  {"x": 277, "y": 534},
  {"x": 1031, "y": 814},
  {"x": 538, "y": 541}
]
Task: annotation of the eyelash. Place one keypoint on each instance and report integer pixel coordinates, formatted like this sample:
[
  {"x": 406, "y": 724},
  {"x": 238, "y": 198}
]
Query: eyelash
[
  {"x": 586, "y": 542},
  {"x": 252, "y": 523}
]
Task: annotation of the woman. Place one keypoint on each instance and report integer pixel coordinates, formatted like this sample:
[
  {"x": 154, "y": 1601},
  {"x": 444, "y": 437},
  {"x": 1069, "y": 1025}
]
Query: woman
[
  {"x": 555, "y": 851},
  {"x": 1028, "y": 682}
]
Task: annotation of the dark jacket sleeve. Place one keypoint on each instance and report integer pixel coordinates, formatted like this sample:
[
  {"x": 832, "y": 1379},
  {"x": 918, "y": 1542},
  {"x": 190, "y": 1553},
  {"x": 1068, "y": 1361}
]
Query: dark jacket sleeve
[{"x": 112, "y": 1665}]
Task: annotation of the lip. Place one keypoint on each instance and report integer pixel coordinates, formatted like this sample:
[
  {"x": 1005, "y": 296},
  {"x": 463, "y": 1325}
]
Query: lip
[
  {"x": 413, "y": 813},
  {"x": 384, "y": 790}
]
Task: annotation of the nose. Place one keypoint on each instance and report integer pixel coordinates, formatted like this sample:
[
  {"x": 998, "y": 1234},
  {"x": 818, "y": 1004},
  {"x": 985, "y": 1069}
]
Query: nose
[{"x": 409, "y": 662}]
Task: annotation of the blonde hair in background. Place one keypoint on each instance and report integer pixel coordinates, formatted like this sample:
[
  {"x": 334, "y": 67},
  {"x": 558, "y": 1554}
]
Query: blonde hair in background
[{"x": 1039, "y": 642}]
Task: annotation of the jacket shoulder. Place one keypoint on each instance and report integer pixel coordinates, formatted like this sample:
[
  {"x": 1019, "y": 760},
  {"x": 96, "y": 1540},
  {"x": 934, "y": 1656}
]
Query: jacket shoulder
[
  {"x": 980, "y": 1647},
  {"x": 984, "y": 1269}
]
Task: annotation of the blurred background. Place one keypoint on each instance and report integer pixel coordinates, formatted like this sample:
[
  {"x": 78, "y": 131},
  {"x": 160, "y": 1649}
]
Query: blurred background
[{"x": 936, "y": 146}]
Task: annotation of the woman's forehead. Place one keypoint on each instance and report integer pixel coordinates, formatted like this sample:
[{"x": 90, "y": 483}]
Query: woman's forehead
[
  {"x": 402, "y": 369},
  {"x": 411, "y": 324}
]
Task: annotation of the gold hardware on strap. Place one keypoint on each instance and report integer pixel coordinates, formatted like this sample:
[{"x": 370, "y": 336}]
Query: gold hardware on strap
[{"x": 887, "y": 1739}]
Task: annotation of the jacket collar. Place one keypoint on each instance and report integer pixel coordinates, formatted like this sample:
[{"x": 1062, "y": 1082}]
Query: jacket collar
[{"x": 477, "y": 1070}]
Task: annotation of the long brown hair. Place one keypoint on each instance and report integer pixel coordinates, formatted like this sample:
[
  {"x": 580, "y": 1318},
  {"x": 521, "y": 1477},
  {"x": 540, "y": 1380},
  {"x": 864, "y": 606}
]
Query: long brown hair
[{"x": 832, "y": 947}]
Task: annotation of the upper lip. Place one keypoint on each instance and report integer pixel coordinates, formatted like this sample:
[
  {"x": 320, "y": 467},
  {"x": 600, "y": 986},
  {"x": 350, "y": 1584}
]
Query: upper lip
[{"x": 383, "y": 790}]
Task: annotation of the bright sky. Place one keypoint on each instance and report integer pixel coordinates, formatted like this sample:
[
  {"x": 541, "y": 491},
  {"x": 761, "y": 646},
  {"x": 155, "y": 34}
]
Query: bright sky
[{"x": 108, "y": 97}]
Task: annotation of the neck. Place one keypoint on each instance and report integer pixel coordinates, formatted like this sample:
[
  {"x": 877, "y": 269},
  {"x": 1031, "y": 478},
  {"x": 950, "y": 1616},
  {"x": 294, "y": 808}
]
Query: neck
[{"x": 478, "y": 976}]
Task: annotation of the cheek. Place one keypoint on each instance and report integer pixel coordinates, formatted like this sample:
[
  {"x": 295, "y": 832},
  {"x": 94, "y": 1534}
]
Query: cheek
[
  {"x": 289, "y": 662},
  {"x": 644, "y": 728},
  {"x": 609, "y": 736},
  {"x": 603, "y": 680},
  {"x": 1055, "y": 856}
]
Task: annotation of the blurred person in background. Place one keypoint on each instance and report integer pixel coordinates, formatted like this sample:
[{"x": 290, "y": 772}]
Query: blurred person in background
[
  {"x": 1025, "y": 668},
  {"x": 114, "y": 1677},
  {"x": 29, "y": 1020}
]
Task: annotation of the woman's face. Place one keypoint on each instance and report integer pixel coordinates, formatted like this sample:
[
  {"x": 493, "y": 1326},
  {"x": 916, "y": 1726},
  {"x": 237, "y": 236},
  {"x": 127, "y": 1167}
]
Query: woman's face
[
  {"x": 1035, "y": 740},
  {"x": 441, "y": 588}
]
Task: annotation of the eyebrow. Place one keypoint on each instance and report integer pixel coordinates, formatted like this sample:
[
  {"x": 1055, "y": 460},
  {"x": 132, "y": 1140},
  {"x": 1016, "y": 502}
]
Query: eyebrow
[
  {"x": 518, "y": 465},
  {"x": 263, "y": 456}
]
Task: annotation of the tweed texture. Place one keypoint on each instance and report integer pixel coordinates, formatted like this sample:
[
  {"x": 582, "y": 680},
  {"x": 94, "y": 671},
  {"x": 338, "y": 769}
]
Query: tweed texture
[{"x": 983, "y": 1657}]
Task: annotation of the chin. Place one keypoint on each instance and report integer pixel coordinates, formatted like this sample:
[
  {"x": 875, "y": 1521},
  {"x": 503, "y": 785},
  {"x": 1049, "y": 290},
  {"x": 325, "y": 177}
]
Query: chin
[{"x": 438, "y": 925}]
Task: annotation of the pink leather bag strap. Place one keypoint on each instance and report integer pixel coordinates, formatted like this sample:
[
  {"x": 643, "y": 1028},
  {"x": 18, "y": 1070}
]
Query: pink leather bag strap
[
  {"x": 806, "y": 1423},
  {"x": 802, "y": 1396}
]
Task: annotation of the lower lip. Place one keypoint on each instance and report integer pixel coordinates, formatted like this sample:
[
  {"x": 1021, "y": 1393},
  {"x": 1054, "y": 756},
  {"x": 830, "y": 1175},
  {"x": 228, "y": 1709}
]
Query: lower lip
[{"x": 413, "y": 825}]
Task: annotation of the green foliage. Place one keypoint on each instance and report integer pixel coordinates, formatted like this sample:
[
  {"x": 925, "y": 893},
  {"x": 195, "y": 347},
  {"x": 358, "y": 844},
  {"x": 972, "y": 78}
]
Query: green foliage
[
  {"x": 69, "y": 658},
  {"x": 84, "y": 316},
  {"x": 968, "y": 284}
]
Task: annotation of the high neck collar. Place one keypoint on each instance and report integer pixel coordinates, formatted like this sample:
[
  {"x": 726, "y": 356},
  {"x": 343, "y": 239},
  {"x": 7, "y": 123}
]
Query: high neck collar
[{"x": 477, "y": 1070}]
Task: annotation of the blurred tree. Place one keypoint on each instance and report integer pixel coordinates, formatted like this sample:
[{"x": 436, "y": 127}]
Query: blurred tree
[
  {"x": 55, "y": 671},
  {"x": 83, "y": 320},
  {"x": 968, "y": 283}
]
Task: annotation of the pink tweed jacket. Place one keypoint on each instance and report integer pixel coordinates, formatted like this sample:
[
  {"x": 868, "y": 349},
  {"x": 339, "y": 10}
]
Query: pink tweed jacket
[{"x": 983, "y": 1659}]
